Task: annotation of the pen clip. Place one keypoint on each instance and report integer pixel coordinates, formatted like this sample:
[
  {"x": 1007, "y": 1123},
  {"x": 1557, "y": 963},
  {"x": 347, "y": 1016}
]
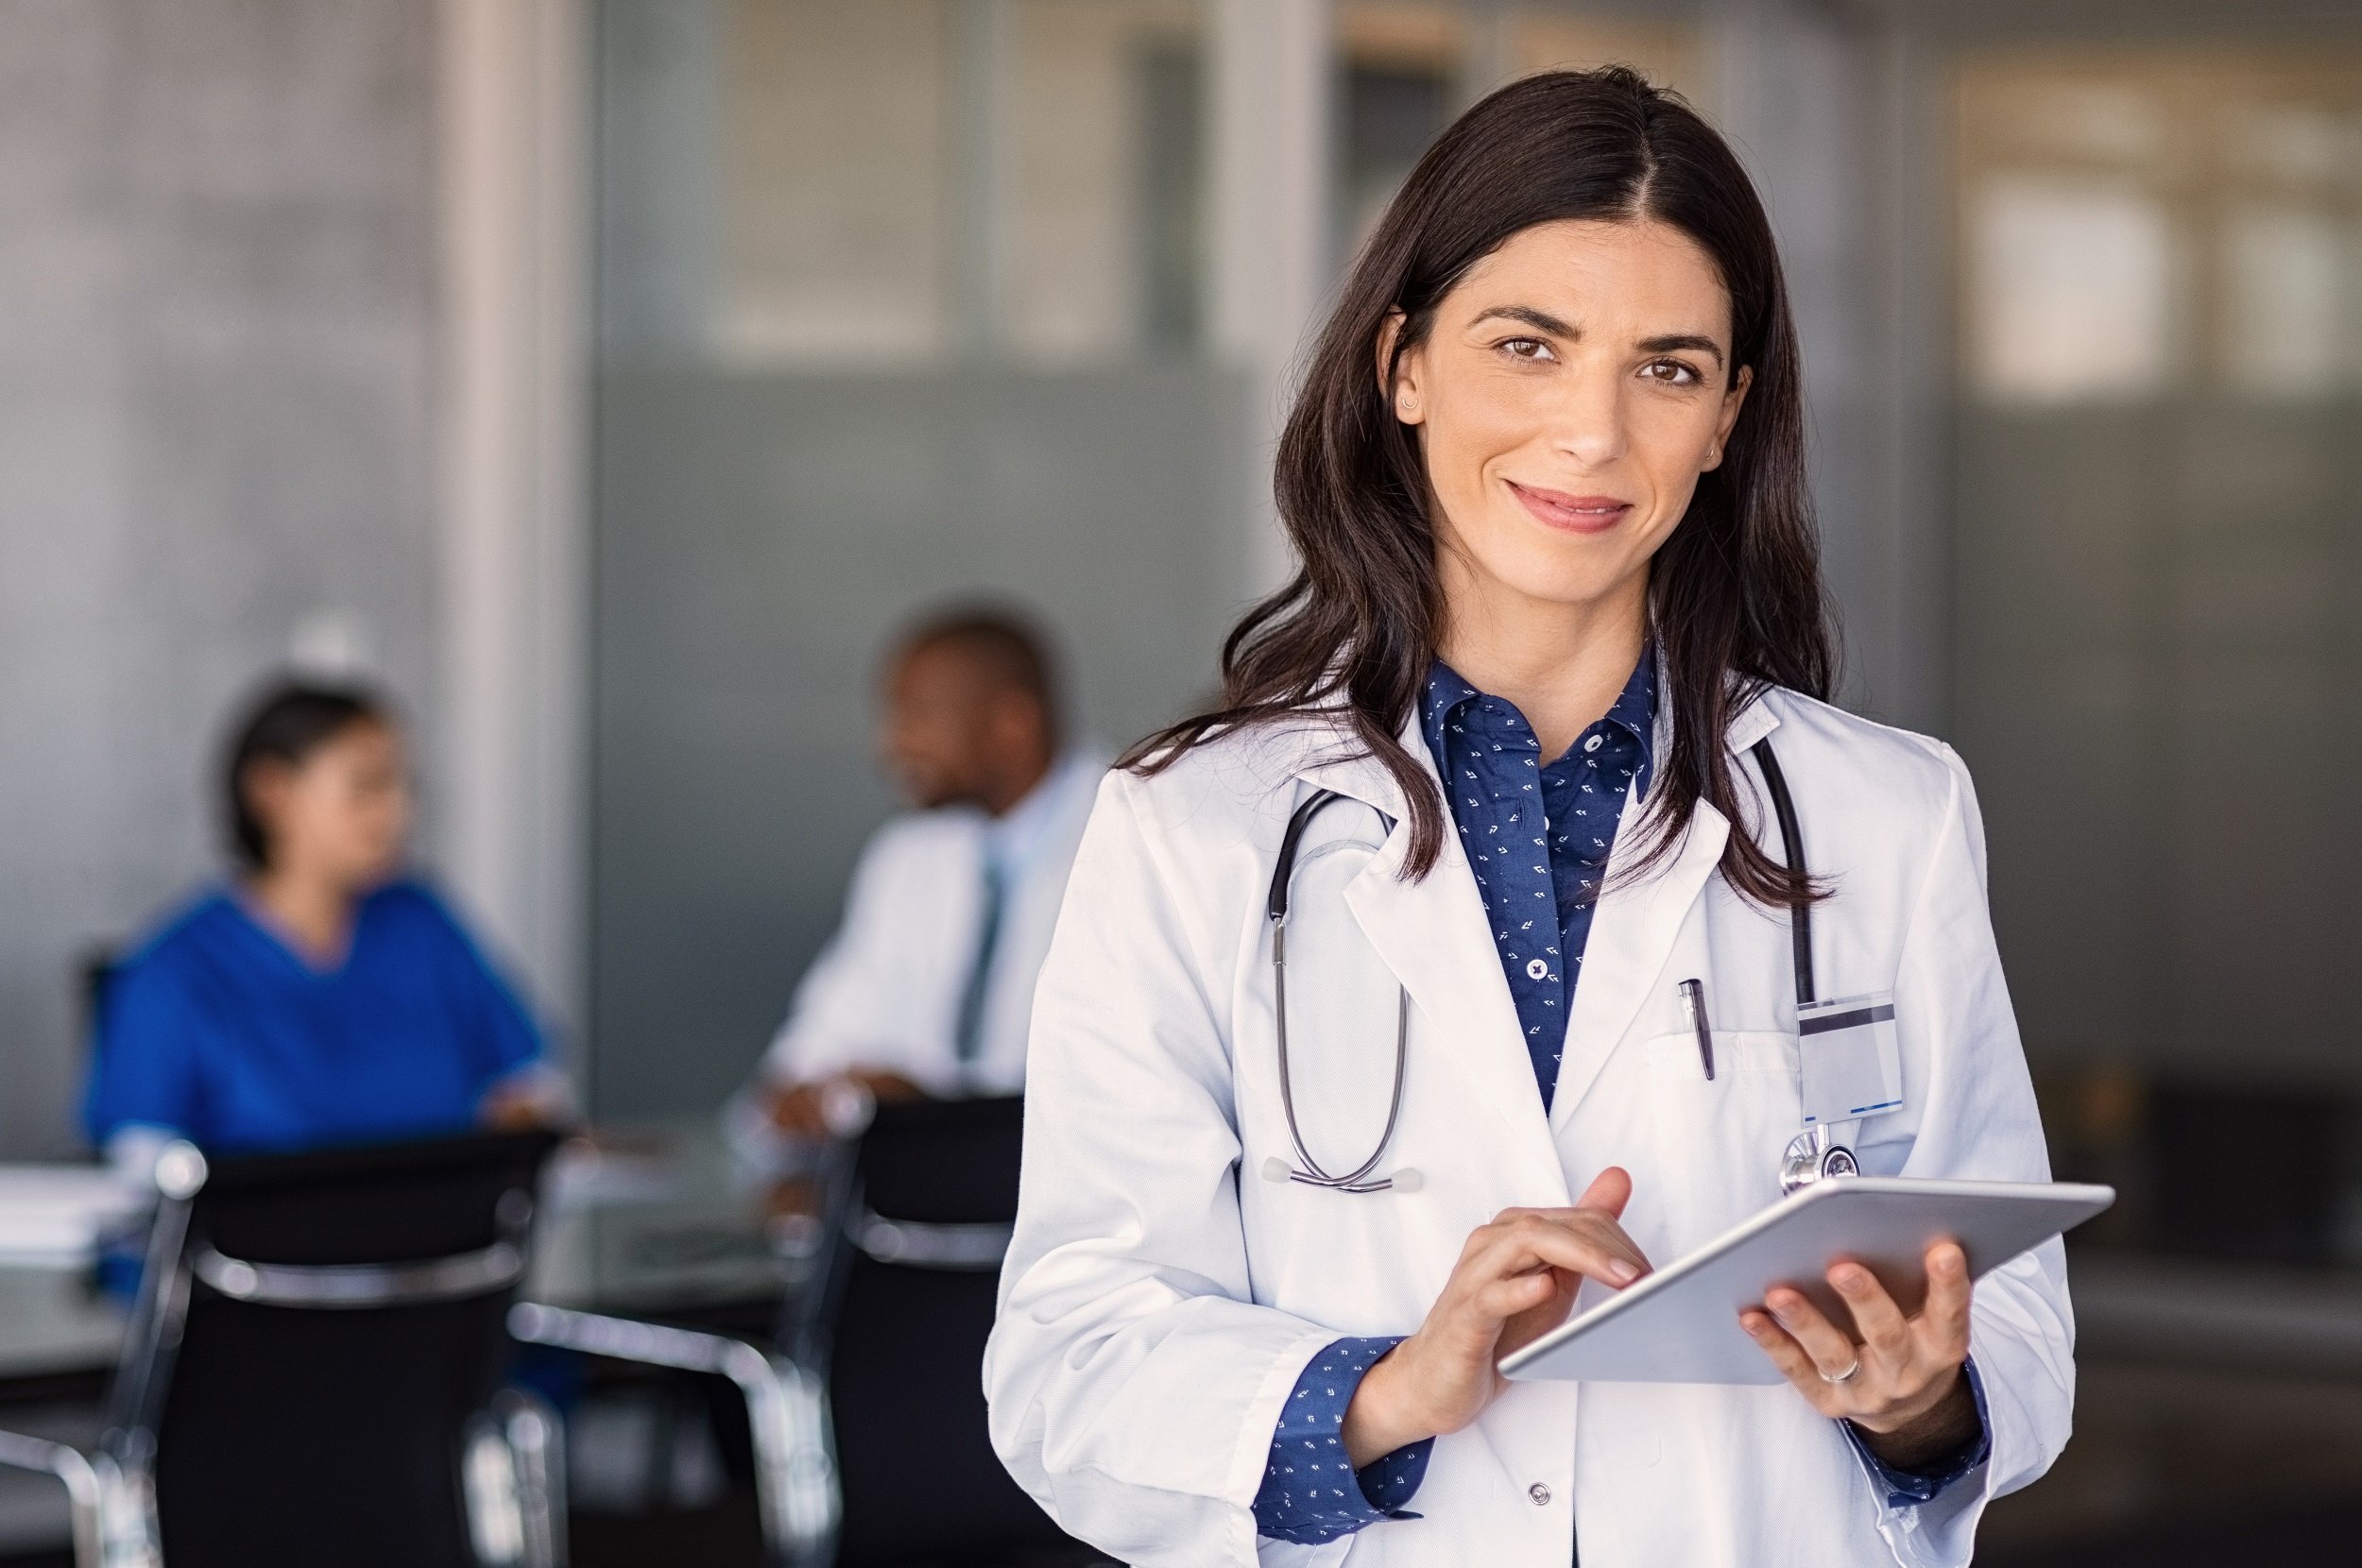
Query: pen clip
[{"x": 1694, "y": 1002}]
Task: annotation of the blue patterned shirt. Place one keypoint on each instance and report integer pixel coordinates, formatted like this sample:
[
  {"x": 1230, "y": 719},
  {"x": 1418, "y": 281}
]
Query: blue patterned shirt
[
  {"x": 1537, "y": 839},
  {"x": 1537, "y": 835},
  {"x": 1311, "y": 1490}
]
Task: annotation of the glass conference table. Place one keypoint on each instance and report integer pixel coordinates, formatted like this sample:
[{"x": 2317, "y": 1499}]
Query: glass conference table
[{"x": 656, "y": 1221}]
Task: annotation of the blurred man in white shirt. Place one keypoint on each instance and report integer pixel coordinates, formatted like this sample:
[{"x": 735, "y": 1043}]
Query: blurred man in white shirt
[{"x": 927, "y": 987}]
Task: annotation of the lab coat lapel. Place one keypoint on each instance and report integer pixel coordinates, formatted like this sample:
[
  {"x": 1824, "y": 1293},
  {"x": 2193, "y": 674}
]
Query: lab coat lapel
[
  {"x": 1433, "y": 934},
  {"x": 1638, "y": 922}
]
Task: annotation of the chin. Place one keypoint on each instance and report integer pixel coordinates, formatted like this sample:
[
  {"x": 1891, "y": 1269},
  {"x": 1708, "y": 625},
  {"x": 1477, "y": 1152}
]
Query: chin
[{"x": 1549, "y": 577}]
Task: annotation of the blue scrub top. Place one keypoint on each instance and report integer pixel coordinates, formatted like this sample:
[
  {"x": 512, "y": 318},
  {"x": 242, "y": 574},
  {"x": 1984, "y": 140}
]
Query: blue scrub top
[{"x": 216, "y": 1029}]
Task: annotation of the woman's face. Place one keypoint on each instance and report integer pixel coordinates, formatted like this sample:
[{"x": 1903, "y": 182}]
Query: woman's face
[
  {"x": 343, "y": 812},
  {"x": 1572, "y": 388}
]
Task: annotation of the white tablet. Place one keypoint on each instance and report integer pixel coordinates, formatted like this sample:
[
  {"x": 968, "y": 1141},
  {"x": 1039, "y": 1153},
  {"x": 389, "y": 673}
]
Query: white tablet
[{"x": 1681, "y": 1324}]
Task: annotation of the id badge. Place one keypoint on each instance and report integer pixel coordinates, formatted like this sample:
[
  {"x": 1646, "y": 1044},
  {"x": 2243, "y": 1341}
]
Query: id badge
[{"x": 1852, "y": 1065}]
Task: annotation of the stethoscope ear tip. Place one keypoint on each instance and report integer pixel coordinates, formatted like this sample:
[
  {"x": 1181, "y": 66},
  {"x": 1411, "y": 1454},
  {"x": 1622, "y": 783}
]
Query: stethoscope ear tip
[{"x": 1405, "y": 1180}]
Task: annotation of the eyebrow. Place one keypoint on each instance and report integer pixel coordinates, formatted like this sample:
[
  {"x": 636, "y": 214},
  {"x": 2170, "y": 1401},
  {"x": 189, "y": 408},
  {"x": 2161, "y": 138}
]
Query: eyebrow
[
  {"x": 1544, "y": 322},
  {"x": 1678, "y": 341},
  {"x": 1539, "y": 321}
]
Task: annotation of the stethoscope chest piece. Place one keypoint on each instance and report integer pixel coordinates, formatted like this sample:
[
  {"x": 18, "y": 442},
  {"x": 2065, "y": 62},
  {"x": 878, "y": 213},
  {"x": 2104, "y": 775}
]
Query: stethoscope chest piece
[{"x": 1813, "y": 1156}]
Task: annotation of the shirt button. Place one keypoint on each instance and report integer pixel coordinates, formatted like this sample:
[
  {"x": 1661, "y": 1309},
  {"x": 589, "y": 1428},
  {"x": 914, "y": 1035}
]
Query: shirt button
[
  {"x": 1592, "y": 744},
  {"x": 1540, "y": 1493},
  {"x": 1536, "y": 969}
]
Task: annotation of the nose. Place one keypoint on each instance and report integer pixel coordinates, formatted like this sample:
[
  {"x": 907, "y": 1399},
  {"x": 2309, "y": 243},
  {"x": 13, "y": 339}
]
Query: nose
[{"x": 1590, "y": 424}]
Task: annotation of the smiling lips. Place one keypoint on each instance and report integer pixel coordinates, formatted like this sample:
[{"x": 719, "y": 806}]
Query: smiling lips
[{"x": 1572, "y": 513}]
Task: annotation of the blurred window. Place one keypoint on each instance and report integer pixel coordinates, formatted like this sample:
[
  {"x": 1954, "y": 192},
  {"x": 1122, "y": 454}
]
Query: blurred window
[
  {"x": 2137, "y": 222},
  {"x": 2289, "y": 278},
  {"x": 2073, "y": 289},
  {"x": 837, "y": 204},
  {"x": 1406, "y": 69},
  {"x": 901, "y": 181}
]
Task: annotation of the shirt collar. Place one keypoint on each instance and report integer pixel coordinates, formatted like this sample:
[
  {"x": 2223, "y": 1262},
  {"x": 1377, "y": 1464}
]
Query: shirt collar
[{"x": 1635, "y": 709}]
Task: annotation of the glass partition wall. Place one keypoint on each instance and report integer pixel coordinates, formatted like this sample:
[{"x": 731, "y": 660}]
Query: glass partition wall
[
  {"x": 2159, "y": 599},
  {"x": 2157, "y": 658},
  {"x": 899, "y": 302}
]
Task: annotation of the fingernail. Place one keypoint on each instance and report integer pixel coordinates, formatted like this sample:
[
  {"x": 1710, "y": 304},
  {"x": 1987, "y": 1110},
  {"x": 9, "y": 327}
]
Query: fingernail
[
  {"x": 1850, "y": 1275},
  {"x": 1620, "y": 1271}
]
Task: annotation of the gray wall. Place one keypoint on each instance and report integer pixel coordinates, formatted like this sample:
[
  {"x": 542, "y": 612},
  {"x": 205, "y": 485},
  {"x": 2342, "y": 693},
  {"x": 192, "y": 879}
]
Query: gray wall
[
  {"x": 758, "y": 539},
  {"x": 2160, "y": 629},
  {"x": 215, "y": 333}
]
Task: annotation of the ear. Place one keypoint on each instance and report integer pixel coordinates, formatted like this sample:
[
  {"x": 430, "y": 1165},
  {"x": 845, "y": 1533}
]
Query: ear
[
  {"x": 1732, "y": 402},
  {"x": 266, "y": 780},
  {"x": 1398, "y": 382},
  {"x": 263, "y": 786}
]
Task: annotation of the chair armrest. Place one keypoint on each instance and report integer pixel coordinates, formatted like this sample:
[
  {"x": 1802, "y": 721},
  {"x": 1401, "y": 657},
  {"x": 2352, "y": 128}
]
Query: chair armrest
[
  {"x": 84, "y": 1488},
  {"x": 787, "y": 1411}
]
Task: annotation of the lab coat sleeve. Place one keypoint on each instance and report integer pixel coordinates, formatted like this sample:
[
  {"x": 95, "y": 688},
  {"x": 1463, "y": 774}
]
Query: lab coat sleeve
[
  {"x": 1978, "y": 1120},
  {"x": 1134, "y": 1384},
  {"x": 856, "y": 1006}
]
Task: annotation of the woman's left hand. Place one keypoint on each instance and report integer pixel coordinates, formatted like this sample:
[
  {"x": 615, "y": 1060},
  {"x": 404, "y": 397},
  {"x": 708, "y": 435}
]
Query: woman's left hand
[{"x": 1905, "y": 1390}]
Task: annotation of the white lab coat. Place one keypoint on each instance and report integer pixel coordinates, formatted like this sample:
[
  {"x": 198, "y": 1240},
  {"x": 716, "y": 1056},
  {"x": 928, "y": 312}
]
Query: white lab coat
[
  {"x": 886, "y": 993},
  {"x": 1161, "y": 1295}
]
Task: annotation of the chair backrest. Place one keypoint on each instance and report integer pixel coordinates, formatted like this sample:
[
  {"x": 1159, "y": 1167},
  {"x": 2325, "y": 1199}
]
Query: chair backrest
[
  {"x": 343, "y": 1323},
  {"x": 934, "y": 1192}
]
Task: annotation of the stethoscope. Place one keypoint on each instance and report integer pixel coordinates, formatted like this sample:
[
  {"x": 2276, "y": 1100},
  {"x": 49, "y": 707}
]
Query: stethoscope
[
  {"x": 1307, "y": 1170},
  {"x": 1814, "y": 1152},
  {"x": 1811, "y": 1155}
]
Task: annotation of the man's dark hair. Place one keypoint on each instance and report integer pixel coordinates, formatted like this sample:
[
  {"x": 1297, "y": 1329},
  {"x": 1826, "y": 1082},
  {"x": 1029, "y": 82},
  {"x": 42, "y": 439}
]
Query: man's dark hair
[{"x": 287, "y": 723}]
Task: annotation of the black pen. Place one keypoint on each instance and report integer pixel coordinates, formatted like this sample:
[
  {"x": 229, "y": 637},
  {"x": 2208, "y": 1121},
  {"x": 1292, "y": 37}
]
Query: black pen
[{"x": 1694, "y": 999}]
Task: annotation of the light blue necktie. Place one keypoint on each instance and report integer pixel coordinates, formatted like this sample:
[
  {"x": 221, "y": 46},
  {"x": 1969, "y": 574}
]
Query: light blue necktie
[{"x": 968, "y": 1039}]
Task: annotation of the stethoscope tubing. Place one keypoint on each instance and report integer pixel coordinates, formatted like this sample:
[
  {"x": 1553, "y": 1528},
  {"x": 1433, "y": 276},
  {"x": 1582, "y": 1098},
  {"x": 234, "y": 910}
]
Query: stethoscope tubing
[
  {"x": 1792, "y": 851},
  {"x": 1307, "y": 1170},
  {"x": 1310, "y": 1172}
]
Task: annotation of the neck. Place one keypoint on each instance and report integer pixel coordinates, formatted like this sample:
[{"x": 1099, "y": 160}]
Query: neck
[
  {"x": 315, "y": 911},
  {"x": 1008, "y": 792},
  {"x": 1562, "y": 664}
]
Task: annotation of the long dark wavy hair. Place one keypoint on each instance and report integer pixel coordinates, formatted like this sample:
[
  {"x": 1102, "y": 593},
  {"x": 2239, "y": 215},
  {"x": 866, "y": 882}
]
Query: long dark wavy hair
[{"x": 1734, "y": 595}]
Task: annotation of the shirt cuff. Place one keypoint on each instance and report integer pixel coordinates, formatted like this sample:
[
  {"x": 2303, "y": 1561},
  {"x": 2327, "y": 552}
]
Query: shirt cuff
[
  {"x": 1310, "y": 1493},
  {"x": 1924, "y": 1483}
]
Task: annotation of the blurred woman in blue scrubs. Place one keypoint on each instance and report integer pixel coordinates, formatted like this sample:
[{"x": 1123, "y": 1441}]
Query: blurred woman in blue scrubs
[{"x": 320, "y": 996}]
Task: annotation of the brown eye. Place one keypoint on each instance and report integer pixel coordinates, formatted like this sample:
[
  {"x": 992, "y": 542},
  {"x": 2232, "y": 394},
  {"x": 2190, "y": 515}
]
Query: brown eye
[
  {"x": 1671, "y": 372},
  {"x": 1531, "y": 349}
]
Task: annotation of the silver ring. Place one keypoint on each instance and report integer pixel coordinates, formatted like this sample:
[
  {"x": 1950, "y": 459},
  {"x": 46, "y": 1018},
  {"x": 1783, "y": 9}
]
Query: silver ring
[{"x": 1845, "y": 1376}]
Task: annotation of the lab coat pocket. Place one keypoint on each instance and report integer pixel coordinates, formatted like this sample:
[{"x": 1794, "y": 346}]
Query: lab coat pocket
[{"x": 1720, "y": 1139}]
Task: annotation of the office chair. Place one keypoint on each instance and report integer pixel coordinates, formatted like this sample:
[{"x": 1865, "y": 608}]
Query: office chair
[
  {"x": 901, "y": 1323},
  {"x": 312, "y": 1369},
  {"x": 867, "y": 1416}
]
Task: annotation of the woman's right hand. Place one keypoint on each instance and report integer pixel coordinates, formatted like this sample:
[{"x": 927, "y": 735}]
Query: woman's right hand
[{"x": 1514, "y": 1281}]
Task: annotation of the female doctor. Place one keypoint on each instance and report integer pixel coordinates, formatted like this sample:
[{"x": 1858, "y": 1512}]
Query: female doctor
[{"x": 1558, "y": 581}]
